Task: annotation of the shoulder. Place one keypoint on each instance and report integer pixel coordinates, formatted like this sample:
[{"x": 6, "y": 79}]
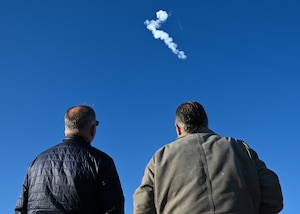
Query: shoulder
[
  {"x": 99, "y": 153},
  {"x": 49, "y": 151}
]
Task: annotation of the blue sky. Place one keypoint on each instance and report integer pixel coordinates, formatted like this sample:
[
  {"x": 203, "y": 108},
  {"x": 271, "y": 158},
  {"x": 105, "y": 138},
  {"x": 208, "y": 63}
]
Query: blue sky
[{"x": 242, "y": 64}]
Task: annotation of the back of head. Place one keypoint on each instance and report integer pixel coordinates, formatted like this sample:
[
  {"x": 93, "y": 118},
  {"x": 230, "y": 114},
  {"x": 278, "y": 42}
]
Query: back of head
[
  {"x": 79, "y": 118},
  {"x": 191, "y": 116}
]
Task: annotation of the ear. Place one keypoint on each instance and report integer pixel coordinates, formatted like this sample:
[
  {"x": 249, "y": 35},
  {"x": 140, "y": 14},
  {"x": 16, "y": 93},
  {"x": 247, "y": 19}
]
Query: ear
[
  {"x": 93, "y": 131},
  {"x": 178, "y": 130}
]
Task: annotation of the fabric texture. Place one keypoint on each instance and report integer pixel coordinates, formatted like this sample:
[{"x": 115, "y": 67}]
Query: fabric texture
[
  {"x": 71, "y": 177},
  {"x": 207, "y": 173}
]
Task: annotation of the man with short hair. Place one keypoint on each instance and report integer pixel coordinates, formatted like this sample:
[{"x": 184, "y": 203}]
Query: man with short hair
[
  {"x": 73, "y": 177},
  {"x": 202, "y": 172}
]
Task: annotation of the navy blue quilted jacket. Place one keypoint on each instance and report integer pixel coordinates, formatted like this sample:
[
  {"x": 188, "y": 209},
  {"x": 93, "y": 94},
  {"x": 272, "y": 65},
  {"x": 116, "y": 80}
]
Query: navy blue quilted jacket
[{"x": 72, "y": 177}]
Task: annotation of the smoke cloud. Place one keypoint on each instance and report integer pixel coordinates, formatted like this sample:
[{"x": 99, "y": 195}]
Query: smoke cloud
[{"x": 153, "y": 26}]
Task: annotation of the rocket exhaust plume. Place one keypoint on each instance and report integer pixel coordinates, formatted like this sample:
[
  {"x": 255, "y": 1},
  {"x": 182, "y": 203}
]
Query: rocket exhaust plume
[{"x": 153, "y": 26}]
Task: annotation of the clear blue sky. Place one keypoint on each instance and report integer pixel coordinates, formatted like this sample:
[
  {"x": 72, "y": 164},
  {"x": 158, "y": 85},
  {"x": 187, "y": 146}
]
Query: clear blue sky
[{"x": 242, "y": 64}]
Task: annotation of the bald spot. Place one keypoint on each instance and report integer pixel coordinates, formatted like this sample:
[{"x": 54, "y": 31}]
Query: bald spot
[{"x": 74, "y": 112}]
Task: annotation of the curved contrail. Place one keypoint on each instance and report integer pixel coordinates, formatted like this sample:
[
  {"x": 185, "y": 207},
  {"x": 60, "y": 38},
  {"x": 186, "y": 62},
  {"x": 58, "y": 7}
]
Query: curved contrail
[{"x": 153, "y": 25}]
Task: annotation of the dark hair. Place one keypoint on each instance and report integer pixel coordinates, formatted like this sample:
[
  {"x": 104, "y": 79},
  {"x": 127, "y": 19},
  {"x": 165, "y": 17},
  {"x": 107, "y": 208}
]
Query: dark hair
[
  {"x": 191, "y": 116},
  {"x": 79, "y": 117}
]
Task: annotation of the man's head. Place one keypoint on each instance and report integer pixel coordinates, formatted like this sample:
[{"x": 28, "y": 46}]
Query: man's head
[
  {"x": 190, "y": 118},
  {"x": 81, "y": 120}
]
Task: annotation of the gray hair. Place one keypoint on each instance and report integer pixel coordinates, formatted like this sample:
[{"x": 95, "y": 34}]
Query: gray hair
[
  {"x": 79, "y": 118},
  {"x": 191, "y": 116}
]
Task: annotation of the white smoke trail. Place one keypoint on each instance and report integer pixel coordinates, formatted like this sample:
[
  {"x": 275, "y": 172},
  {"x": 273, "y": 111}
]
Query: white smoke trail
[{"x": 153, "y": 25}]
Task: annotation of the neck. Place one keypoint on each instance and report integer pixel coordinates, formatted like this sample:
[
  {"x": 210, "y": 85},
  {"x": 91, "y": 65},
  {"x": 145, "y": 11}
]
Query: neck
[{"x": 69, "y": 133}]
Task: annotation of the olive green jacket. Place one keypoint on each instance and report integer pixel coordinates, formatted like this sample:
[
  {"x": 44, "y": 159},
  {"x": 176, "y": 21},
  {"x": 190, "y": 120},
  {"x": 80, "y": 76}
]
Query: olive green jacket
[{"x": 207, "y": 173}]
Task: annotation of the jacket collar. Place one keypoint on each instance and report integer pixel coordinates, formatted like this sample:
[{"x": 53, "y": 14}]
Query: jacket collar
[
  {"x": 203, "y": 131},
  {"x": 76, "y": 138}
]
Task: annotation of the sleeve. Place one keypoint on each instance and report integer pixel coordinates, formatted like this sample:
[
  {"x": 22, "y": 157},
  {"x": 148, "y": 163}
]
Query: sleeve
[
  {"x": 271, "y": 194},
  {"x": 21, "y": 207},
  {"x": 112, "y": 198},
  {"x": 144, "y": 195}
]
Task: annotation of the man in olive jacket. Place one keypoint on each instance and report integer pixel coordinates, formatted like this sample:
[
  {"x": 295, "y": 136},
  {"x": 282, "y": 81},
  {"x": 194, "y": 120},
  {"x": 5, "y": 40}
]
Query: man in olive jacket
[
  {"x": 202, "y": 172},
  {"x": 73, "y": 177}
]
